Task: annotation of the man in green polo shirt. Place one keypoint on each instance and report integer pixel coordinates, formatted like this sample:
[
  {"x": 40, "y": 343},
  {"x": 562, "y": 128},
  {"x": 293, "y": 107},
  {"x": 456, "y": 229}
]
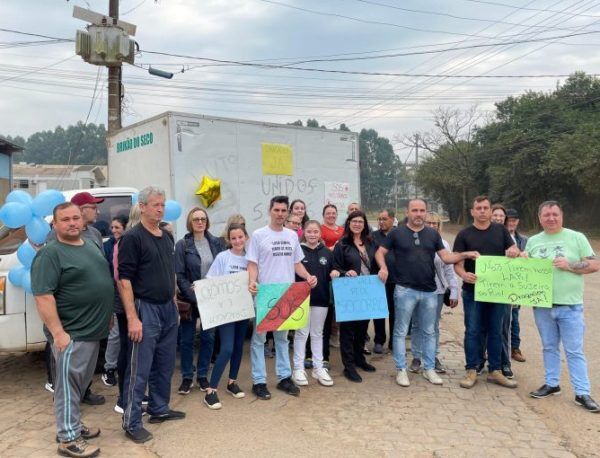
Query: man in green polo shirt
[
  {"x": 74, "y": 296},
  {"x": 572, "y": 257}
]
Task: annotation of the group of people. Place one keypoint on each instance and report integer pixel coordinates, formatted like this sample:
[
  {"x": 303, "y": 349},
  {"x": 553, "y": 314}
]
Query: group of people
[{"x": 148, "y": 284}]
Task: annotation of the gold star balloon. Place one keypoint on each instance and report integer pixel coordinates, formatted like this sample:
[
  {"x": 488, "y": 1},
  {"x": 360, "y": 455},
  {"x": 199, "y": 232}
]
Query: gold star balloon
[{"x": 209, "y": 190}]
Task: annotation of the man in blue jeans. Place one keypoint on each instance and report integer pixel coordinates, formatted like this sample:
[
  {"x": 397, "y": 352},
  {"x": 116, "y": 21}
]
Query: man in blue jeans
[
  {"x": 483, "y": 318},
  {"x": 274, "y": 256},
  {"x": 572, "y": 257},
  {"x": 147, "y": 289},
  {"x": 414, "y": 246}
]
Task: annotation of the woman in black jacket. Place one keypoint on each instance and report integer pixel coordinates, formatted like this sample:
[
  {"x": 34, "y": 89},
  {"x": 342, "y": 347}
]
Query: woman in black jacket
[
  {"x": 194, "y": 255},
  {"x": 354, "y": 255}
]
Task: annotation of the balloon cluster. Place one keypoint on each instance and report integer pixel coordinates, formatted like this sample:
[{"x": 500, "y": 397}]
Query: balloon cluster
[
  {"x": 20, "y": 210},
  {"x": 172, "y": 208}
]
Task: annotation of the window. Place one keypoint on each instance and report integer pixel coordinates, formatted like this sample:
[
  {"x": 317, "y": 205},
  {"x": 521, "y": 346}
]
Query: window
[{"x": 111, "y": 207}]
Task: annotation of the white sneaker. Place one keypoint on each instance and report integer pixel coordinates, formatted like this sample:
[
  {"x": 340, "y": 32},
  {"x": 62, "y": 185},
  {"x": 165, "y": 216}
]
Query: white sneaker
[
  {"x": 322, "y": 375},
  {"x": 432, "y": 377},
  {"x": 402, "y": 378},
  {"x": 119, "y": 409},
  {"x": 299, "y": 377}
]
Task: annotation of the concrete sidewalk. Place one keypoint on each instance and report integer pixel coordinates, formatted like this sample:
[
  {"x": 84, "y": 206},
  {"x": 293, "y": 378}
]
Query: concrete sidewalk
[{"x": 375, "y": 418}]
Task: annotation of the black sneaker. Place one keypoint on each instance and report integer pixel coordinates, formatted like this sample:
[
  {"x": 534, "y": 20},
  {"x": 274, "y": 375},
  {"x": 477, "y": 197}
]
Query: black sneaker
[
  {"x": 352, "y": 375},
  {"x": 93, "y": 399},
  {"x": 186, "y": 386},
  {"x": 203, "y": 383},
  {"x": 365, "y": 366},
  {"x": 439, "y": 367},
  {"x": 544, "y": 391},
  {"x": 139, "y": 436},
  {"x": 212, "y": 401},
  {"x": 288, "y": 386},
  {"x": 415, "y": 365},
  {"x": 78, "y": 448},
  {"x": 170, "y": 415},
  {"x": 507, "y": 372},
  {"x": 145, "y": 400},
  {"x": 308, "y": 363},
  {"x": 586, "y": 401},
  {"x": 109, "y": 377},
  {"x": 261, "y": 391},
  {"x": 234, "y": 390}
]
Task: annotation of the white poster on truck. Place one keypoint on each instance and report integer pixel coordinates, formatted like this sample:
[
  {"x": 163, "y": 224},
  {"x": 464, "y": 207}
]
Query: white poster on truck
[
  {"x": 224, "y": 299},
  {"x": 338, "y": 194}
]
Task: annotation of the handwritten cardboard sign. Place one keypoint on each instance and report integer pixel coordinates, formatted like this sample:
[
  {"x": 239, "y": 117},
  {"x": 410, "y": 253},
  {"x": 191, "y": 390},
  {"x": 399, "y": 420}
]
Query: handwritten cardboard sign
[
  {"x": 520, "y": 281},
  {"x": 282, "y": 306},
  {"x": 223, "y": 299},
  {"x": 277, "y": 159},
  {"x": 359, "y": 298}
]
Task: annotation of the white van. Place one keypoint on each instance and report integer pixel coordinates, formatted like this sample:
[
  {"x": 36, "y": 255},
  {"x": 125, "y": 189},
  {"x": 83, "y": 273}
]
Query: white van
[{"x": 20, "y": 325}]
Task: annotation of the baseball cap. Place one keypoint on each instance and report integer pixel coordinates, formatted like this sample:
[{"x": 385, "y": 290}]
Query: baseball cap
[
  {"x": 512, "y": 213},
  {"x": 85, "y": 198}
]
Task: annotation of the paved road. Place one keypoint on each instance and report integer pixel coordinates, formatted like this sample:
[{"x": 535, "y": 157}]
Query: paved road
[{"x": 375, "y": 418}]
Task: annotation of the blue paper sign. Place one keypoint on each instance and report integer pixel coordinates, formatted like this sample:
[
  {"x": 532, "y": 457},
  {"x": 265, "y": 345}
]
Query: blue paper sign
[{"x": 359, "y": 298}]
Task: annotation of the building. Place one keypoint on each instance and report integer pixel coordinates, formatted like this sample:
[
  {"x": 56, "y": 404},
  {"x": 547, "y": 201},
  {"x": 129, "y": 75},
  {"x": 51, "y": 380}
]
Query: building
[
  {"x": 35, "y": 178},
  {"x": 6, "y": 163}
]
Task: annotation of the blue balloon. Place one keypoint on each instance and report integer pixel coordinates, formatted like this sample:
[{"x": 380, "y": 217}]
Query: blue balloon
[
  {"x": 172, "y": 210},
  {"x": 45, "y": 201},
  {"x": 134, "y": 198},
  {"x": 26, "y": 284},
  {"x": 26, "y": 253},
  {"x": 15, "y": 214},
  {"x": 15, "y": 275},
  {"x": 19, "y": 196},
  {"x": 37, "y": 230}
]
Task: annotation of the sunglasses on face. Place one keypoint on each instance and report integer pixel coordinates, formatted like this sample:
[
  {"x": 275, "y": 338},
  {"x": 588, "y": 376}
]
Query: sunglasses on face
[{"x": 199, "y": 220}]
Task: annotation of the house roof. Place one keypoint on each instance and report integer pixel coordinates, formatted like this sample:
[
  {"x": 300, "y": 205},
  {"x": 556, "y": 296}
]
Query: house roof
[{"x": 9, "y": 147}]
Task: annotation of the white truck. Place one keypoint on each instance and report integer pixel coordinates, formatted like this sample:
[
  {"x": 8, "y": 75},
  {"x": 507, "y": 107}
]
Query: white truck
[
  {"x": 20, "y": 324},
  {"x": 253, "y": 160}
]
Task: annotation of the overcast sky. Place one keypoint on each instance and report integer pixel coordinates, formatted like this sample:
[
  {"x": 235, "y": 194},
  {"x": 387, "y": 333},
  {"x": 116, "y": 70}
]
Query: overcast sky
[{"x": 43, "y": 85}]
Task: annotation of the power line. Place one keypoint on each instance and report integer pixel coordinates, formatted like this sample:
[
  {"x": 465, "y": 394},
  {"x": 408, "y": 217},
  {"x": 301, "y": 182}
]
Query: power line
[
  {"x": 366, "y": 21},
  {"x": 532, "y": 9},
  {"x": 463, "y": 18}
]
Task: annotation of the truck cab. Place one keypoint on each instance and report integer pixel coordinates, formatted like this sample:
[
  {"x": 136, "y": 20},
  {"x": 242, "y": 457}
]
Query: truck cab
[{"x": 20, "y": 324}]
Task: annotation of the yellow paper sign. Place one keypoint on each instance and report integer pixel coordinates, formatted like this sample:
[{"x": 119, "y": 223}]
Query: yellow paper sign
[{"x": 277, "y": 159}]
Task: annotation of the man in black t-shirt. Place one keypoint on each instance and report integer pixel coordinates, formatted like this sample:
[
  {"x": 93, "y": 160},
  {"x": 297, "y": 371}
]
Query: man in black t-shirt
[
  {"x": 147, "y": 289},
  {"x": 385, "y": 221},
  {"x": 483, "y": 318},
  {"x": 414, "y": 246}
]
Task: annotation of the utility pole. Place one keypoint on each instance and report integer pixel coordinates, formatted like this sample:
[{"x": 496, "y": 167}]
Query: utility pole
[
  {"x": 416, "y": 166},
  {"x": 114, "y": 80},
  {"x": 107, "y": 43}
]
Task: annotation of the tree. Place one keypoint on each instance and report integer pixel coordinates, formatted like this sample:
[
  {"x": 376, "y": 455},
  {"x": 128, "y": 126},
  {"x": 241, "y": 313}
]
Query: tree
[
  {"x": 448, "y": 172},
  {"x": 380, "y": 171},
  {"x": 79, "y": 144}
]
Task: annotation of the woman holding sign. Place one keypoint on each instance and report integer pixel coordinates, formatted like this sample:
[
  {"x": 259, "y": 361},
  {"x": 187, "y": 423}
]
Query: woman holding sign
[
  {"x": 354, "y": 255},
  {"x": 232, "y": 335},
  {"x": 194, "y": 254}
]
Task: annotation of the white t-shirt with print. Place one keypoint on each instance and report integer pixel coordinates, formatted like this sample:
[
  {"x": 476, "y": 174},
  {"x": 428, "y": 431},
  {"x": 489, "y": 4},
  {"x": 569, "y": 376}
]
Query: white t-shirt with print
[
  {"x": 227, "y": 263},
  {"x": 275, "y": 253}
]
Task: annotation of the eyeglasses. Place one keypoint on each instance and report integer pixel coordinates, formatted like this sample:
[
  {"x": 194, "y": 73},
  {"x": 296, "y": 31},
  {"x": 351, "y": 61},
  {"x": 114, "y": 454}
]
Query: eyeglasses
[
  {"x": 416, "y": 237},
  {"x": 199, "y": 220}
]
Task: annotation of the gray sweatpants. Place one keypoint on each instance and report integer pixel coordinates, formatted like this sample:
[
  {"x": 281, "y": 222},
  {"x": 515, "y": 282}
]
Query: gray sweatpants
[
  {"x": 113, "y": 345},
  {"x": 74, "y": 370}
]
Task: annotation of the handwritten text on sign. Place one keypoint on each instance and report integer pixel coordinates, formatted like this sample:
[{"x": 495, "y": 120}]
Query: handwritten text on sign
[
  {"x": 223, "y": 299},
  {"x": 282, "y": 306},
  {"x": 520, "y": 281},
  {"x": 359, "y": 298}
]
